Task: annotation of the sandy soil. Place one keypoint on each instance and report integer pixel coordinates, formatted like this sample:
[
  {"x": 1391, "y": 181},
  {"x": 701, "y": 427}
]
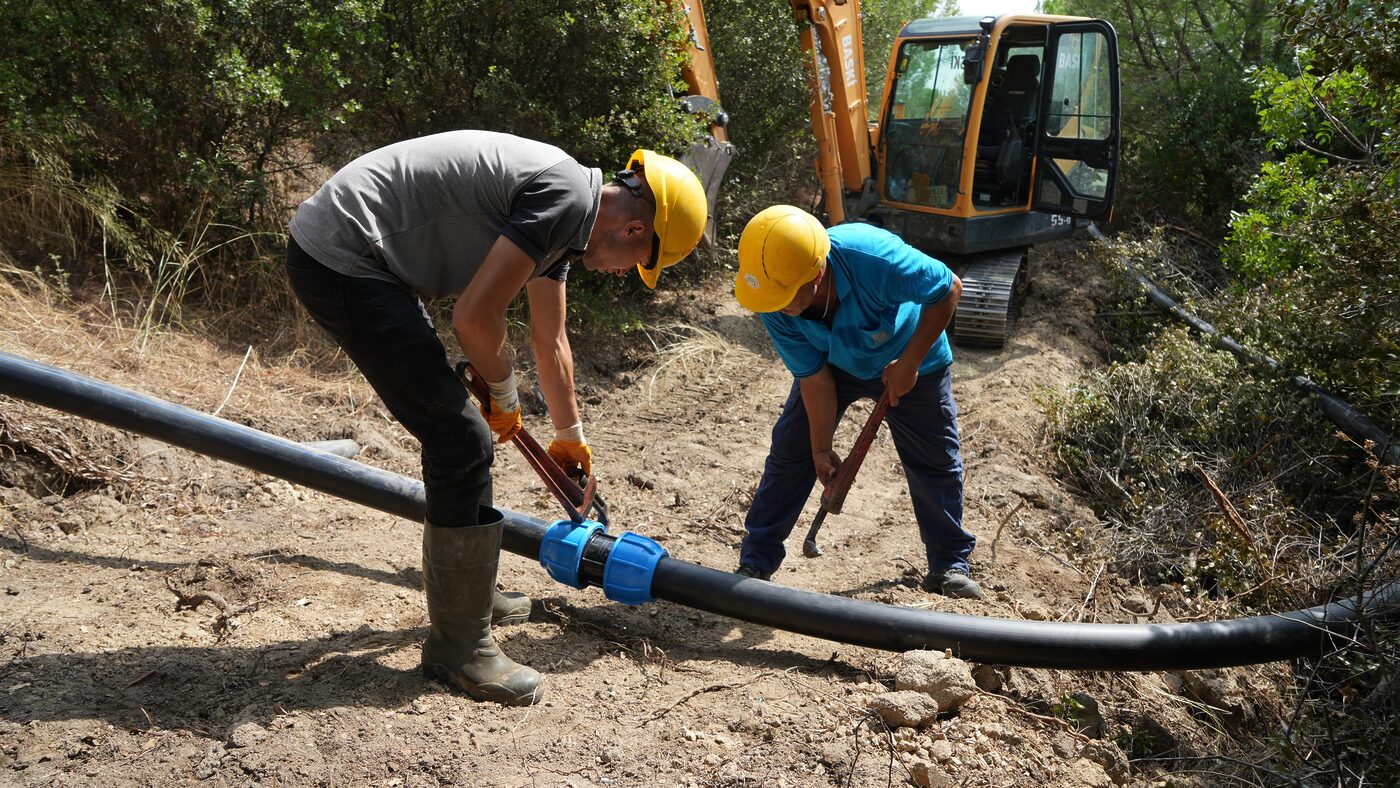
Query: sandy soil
[{"x": 307, "y": 674}]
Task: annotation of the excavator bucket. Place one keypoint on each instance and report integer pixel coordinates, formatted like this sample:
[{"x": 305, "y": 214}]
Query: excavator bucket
[{"x": 709, "y": 159}]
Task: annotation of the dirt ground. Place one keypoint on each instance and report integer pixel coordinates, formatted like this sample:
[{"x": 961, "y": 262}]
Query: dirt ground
[{"x": 298, "y": 666}]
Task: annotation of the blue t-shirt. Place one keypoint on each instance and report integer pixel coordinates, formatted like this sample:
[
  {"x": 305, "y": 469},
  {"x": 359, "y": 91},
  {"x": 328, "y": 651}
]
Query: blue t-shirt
[{"x": 883, "y": 284}]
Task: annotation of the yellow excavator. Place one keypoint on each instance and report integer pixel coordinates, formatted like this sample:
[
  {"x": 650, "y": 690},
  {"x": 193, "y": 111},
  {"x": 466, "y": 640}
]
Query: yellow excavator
[{"x": 995, "y": 133}]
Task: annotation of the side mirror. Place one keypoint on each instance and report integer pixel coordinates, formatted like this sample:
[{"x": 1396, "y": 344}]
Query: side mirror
[{"x": 975, "y": 59}]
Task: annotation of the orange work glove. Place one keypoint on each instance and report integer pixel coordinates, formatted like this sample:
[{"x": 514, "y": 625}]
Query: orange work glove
[
  {"x": 505, "y": 423},
  {"x": 504, "y": 416},
  {"x": 570, "y": 450}
]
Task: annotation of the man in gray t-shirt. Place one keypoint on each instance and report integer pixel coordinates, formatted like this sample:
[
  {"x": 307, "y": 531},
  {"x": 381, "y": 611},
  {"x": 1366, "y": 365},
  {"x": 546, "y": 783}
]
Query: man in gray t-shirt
[{"x": 476, "y": 216}]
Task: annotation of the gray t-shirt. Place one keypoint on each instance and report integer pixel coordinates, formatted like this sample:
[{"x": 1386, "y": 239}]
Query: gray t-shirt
[{"x": 423, "y": 213}]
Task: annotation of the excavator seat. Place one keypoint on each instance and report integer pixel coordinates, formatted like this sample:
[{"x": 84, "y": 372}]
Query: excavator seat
[{"x": 1008, "y": 116}]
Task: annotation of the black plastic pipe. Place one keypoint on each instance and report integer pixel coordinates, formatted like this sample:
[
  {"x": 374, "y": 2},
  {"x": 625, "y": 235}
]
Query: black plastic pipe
[
  {"x": 1339, "y": 411},
  {"x": 987, "y": 640}
]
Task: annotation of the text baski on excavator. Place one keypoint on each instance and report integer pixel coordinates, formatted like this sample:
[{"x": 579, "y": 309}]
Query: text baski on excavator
[{"x": 995, "y": 133}]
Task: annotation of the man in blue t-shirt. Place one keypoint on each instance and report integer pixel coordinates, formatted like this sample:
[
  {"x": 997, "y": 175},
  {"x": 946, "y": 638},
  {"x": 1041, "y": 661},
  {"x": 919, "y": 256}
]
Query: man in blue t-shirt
[{"x": 852, "y": 311}]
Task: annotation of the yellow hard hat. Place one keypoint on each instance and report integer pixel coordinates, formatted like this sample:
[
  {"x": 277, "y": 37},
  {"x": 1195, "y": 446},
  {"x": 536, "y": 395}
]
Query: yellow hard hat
[
  {"x": 681, "y": 209},
  {"x": 782, "y": 249}
]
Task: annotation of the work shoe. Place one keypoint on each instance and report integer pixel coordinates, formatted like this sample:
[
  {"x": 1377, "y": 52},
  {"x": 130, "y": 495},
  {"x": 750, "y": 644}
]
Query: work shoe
[
  {"x": 459, "y": 579},
  {"x": 953, "y": 583},
  {"x": 509, "y": 607},
  {"x": 749, "y": 570}
]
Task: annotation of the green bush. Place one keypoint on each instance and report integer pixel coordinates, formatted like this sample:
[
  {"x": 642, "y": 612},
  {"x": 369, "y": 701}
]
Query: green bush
[
  {"x": 1315, "y": 256},
  {"x": 596, "y": 78},
  {"x": 1144, "y": 442},
  {"x": 763, "y": 87},
  {"x": 1190, "y": 134},
  {"x": 202, "y": 118},
  {"x": 184, "y": 105}
]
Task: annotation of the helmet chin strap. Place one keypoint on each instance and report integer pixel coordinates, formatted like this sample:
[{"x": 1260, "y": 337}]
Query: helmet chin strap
[{"x": 631, "y": 181}]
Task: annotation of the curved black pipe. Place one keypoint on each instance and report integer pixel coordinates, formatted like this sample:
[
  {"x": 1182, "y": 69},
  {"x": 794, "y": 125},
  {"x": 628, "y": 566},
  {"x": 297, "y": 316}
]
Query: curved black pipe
[
  {"x": 990, "y": 640},
  {"x": 1036, "y": 644},
  {"x": 235, "y": 443},
  {"x": 1337, "y": 409}
]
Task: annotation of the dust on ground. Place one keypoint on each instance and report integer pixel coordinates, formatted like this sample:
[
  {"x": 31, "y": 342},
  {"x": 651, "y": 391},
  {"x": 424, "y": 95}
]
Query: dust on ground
[{"x": 170, "y": 619}]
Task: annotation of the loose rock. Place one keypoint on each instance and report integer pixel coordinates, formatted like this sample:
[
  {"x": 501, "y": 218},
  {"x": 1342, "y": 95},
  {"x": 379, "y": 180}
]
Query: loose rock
[
  {"x": 905, "y": 709},
  {"x": 945, "y": 679},
  {"x": 246, "y": 735},
  {"x": 926, "y": 775},
  {"x": 1216, "y": 688},
  {"x": 987, "y": 678},
  {"x": 1136, "y": 604}
]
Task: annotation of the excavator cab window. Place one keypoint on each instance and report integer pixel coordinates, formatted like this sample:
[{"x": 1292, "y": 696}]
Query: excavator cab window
[{"x": 923, "y": 134}]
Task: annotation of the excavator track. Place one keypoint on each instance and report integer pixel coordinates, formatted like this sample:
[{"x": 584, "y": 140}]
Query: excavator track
[{"x": 992, "y": 288}]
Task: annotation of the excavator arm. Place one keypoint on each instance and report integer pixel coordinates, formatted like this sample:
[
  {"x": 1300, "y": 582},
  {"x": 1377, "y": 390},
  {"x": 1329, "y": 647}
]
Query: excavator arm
[
  {"x": 708, "y": 157},
  {"x": 831, "y": 38}
]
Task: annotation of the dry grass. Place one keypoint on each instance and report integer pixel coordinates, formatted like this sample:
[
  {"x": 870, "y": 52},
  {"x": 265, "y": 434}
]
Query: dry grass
[
  {"x": 685, "y": 355},
  {"x": 291, "y": 394}
]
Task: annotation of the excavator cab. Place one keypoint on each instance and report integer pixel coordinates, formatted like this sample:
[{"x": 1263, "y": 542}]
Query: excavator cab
[{"x": 997, "y": 133}]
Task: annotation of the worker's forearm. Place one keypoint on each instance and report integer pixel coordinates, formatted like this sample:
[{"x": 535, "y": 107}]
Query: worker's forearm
[
  {"x": 483, "y": 341},
  {"x": 933, "y": 321},
  {"x": 554, "y": 363},
  {"x": 819, "y": 398}
]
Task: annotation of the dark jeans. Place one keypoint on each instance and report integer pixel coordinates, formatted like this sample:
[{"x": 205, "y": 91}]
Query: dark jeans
[
  {"x": 384, "y": 329},
  {"x": 925, "y": 431}
]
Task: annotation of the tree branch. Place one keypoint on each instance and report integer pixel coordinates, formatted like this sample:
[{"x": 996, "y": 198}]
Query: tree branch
[
  {"x": 1338, "y": 124},
  {"x": 1209, "y": 30}
]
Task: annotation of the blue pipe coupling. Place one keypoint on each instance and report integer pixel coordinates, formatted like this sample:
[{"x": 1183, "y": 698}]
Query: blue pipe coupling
[
  {"x": 627, "y": 571},
  {"x": 561, "y": 550}
]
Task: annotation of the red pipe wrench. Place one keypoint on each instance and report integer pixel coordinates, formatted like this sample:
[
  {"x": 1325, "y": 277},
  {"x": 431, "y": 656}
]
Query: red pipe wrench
[
  {"x": 834, "y": 494},
  {"x": 577, "y": 496}
]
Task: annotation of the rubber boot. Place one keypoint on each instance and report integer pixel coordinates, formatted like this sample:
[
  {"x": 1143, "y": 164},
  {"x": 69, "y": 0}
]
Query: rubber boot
[
  {"x": 459, "y": 579},
  {"x": 509, "y": 607}
]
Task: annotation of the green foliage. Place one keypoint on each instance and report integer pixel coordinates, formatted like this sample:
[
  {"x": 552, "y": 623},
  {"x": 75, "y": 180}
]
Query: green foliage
[
  {"x": 1319, "y": 288},
  {"x": 1190, "y": 135},
  {"x": 596, "y": 78},
  {"x": 182, "y": 102},
  {"x": 1137, "y": 437},
  {"x": 881, "y": 21},
  {"x": 763, "y": 87},
  {"x": 202, "y": 119},
  {"x": 1319, "y": 274}
]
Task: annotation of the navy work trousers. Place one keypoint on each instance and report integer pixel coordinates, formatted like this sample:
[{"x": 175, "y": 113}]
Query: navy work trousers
[
  {"x": 384, "y": 329},
  {"x": 925, "y": 431}
]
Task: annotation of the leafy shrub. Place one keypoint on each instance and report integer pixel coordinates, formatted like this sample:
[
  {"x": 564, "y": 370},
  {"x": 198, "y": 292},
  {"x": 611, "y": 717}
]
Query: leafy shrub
[
  {"x": 1181, "y": 264},
  {"x": 1319, "y": 273},
  {"x": 1146, "y": 441},
  {"x": 203, "y": 119},
  {"x": 763, "y": 87},
  {"x": 1190, "y": 133},
  {"x": 1189, "y": 155},
  {"x": 596, "y": 78}
]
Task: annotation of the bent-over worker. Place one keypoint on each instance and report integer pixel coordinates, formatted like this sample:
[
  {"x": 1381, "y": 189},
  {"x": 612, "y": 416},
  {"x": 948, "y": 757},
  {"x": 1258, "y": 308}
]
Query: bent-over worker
[
  {"x": 476, "y": 216},
  {"x": 852, "y": 311}
]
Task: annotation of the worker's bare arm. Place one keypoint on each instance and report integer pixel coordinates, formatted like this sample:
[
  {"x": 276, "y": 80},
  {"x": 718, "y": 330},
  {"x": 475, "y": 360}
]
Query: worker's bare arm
[
  {"x": 901, "y": 374},
  {"x": 819, "y": 398},
  {"x": 554, "y": 358},
  {"x": 479, "y": 316}
]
